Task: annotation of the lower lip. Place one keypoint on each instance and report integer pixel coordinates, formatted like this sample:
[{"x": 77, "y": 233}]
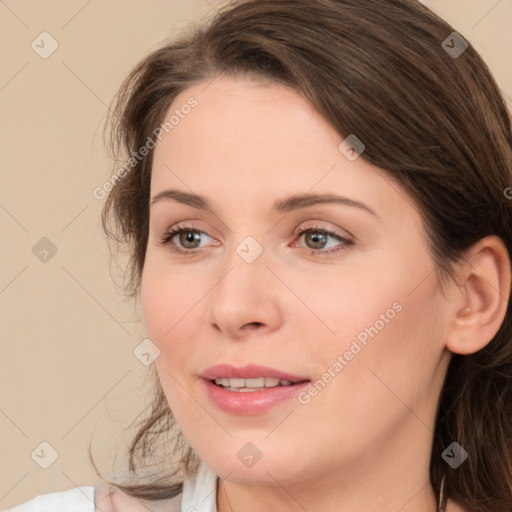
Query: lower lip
[{"x": 251, "y": 402}]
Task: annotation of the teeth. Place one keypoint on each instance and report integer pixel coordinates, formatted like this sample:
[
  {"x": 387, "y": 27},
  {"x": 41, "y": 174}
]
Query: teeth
[{"x": 244, "y": 385}]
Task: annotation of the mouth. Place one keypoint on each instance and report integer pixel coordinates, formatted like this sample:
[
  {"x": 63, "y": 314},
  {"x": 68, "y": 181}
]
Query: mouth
[
  {"x": 253, "y": 384},
  {"x": 250, "y": 390},
  {"x": 250, "y": 376}
]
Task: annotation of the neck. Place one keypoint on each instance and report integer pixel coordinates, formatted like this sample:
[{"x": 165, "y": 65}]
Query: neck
[{"x": 236, "y": 498}]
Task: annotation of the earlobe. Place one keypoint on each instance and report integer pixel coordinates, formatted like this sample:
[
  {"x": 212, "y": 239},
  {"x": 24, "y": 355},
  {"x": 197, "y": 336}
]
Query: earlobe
[{"x": 484, "y": 290}]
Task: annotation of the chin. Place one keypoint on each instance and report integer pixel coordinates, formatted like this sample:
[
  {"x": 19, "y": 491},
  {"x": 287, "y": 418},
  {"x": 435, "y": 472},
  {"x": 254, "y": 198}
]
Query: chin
[{"x": 265, "y": 471}]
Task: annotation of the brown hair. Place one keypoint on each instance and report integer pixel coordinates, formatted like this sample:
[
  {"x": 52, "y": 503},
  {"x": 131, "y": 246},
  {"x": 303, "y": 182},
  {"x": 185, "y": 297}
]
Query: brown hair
[{"x": 436, "y": 122}]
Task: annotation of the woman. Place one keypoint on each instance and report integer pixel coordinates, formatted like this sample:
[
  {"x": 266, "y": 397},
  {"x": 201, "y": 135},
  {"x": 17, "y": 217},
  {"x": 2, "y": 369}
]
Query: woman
[{"x": 317, "y": 201}]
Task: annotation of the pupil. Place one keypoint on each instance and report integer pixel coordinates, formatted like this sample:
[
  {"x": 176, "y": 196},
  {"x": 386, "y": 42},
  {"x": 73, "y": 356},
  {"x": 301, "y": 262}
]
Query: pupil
[
  {"x": 189, "y": 237},
  {"x": 315, "y": 235}
]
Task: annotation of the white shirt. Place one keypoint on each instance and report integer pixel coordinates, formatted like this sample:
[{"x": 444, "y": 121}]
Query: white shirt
[{"x": 199, "y": 495}]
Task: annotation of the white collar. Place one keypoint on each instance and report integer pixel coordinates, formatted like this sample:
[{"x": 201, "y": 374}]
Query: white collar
[{"x": 200, "y": 491}]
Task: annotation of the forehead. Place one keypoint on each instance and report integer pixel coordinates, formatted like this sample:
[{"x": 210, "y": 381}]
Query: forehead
[
  {"x": 241, "y": 120},
  {"x": 245, "y": 138}
]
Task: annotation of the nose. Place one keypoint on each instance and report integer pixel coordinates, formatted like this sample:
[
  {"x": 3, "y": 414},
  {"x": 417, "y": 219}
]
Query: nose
[{"x": 246, "y": 299}]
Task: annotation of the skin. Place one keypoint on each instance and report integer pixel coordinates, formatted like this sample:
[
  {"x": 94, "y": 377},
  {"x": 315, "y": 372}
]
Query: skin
[{"x": 365, "y": 440}]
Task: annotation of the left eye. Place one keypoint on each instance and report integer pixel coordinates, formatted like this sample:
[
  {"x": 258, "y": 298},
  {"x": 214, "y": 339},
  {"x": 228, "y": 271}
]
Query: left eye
[{"x": 319, "y": 236}]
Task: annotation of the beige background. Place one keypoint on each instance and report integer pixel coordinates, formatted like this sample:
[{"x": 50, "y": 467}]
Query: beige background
[{"x": 68, "y": 371}]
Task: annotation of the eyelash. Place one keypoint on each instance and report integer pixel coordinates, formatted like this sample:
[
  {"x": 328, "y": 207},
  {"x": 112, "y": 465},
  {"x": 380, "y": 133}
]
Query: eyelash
[{"x": 167, "y": 237}]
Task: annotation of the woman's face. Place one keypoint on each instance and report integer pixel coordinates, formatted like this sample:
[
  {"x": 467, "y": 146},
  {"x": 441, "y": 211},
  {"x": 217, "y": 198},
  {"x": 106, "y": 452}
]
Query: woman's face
[{"x": 357, "y": 312}]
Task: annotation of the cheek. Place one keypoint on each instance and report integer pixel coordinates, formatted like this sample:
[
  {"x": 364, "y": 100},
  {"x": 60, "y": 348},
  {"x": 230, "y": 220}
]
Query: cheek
[
  {"x": 392, "y": 359},
  {"x": 171, "y": 311},
  {"x": 385, "y": 327},
  {"x": 165, "y": 302},
  {"x": 167, "y": 297},
  {"x": 337, "y": 306},
  {"x": 413, "y": 343},
  {"x": 155, "y": 304}
]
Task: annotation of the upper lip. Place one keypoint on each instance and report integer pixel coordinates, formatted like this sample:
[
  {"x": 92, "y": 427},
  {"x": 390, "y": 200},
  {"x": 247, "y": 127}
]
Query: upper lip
[{"x": 250, "y": 371}]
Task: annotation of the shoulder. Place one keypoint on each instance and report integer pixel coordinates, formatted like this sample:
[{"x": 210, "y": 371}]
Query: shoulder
[
  {"x": 100, "y": 498},
  {"x": 109, "y": 498},
  {"x": 78, "y": 499}
]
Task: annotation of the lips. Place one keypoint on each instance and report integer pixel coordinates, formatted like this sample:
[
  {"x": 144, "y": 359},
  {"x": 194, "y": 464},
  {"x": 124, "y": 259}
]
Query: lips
[
  {"x": 249, "y": 401},
  {"x": 226, "y": 371}
]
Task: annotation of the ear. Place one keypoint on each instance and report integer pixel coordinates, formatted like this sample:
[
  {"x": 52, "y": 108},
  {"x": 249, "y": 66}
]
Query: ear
[{"x": 477, "y": 312}]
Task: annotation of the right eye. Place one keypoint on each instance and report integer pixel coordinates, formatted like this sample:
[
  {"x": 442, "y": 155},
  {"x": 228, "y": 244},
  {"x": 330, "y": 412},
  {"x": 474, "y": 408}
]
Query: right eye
[{"x": 186, "y": 235}]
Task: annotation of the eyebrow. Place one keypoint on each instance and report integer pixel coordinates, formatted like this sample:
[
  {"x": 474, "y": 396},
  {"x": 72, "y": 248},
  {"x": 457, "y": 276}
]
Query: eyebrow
[{"x": 289, "y": 204}]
